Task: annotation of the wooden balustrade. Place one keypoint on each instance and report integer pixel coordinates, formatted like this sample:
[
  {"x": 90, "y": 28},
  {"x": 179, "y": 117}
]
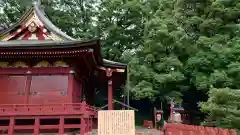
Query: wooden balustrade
[
  {"x": 46, "y": 109},
  {"x": 181, "y": 129},
  {"x": 59, "y": 112}
]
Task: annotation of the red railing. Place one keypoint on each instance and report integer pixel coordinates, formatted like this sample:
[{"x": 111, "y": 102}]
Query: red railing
[
  {"x": 36, "y": 112},
  {"x": 46, "y": 109},
  {"x": 182, "y": 129}
]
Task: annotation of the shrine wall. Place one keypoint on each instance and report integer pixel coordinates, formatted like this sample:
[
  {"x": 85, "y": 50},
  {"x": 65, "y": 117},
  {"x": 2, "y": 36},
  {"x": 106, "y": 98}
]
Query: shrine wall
[
  {"x": 49, "y": 89},
  {"x": 77, "y": 91},
  {"x": 12, "y": 89},
  {"x": 45, "y": 89}
]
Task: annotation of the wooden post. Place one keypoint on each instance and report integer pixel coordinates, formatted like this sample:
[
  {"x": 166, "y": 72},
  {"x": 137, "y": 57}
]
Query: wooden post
[
  {"x": 172, "y": 112},
  {"x": 83, "y": 126},
  {"x": 91, "y": 122},
  {"x": 36, "y": 126},
  {"x": 11, "y": 126},
  {"x": 27, "y": 88},
  {"x": 155, "y": 118},
  {"x": 87, "y": 125},
  {"x": 110, "y": 89},
  {"x": 233, "y": 132},
  {"x": 110, "y": 95},
  {"x": 70, "y": 86},
  {"x": 61, "y": 126},
  {"x": 83, "y": 120}
]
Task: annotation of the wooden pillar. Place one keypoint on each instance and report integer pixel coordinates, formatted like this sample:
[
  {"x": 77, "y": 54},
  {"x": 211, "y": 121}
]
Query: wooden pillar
[
  {"x": 70, "y": 86},
  {"x": 36, "y": 126},
  {"x": 87, "y": 125},
  {"x": 61, "y": 126},
  {"x": 90, "y": 125},
  {"x": 110, "y": 95},
  {"x": 110, "y": 89},
  {"x": 172, "y": 112},
  {"x": 82, "y": 127},
  {"x": 27, "y": 88},
  {"x": 11, "y": 126}
]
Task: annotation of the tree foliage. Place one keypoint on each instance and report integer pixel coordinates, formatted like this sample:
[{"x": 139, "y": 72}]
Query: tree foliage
[{"x": 223, "y": 108}]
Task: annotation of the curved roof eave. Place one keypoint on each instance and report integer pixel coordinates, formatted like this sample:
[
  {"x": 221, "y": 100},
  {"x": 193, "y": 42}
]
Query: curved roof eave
[
  {"x": 45, "y": 44},
  {"x": 114, "y": 64},
  {"x": 49, "y": 24},
  {"x": 19, "y": 22}
]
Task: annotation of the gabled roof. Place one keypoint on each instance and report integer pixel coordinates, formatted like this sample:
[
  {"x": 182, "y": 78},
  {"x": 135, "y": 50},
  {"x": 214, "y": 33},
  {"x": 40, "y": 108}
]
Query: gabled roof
[
  {"x": 38, "y": 13},
  {"x": 49, "y": 24}
]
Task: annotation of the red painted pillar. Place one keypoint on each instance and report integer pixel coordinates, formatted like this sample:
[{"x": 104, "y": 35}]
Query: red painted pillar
[
  {"x": 83, "y": 127},
  {"x": 110, "y": 89},
  {"x": 70, "y": 86},
  {"x": 233, "y": 132},
  {"x": 172, "y": 112},
  {"x": 61, "y": 126},
  {"x": 11, "y": 126},
  {"x": 87, "y": 125},
  {"x": 110, "y": 95},
  {"x": 90, "y": 125},
  {"x": 36, "y": 126},
  {"x": 27, "y": 88}
]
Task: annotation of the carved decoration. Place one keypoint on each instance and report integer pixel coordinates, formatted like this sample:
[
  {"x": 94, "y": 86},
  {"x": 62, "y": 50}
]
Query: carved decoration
[
  {"x": 109, "y": 72},
  {"x": 60, "y": 64},
  {"x": 4, "y": 64},
  {"x": 43, "y": 64},
  {"x": 32, "y": 27},
  {"x": 20, "y": 64}
]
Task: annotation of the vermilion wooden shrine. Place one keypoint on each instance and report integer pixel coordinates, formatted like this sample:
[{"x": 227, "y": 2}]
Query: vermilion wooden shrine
[{"x": 44, "y": 75}]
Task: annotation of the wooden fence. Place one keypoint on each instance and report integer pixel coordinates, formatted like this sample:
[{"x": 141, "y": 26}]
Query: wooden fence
[{"x": 181, "y": 129}]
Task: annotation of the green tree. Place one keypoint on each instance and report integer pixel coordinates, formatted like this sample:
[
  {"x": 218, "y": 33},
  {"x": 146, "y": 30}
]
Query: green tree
[
  {"x": 158, "y": 68},
  {"x": 121, "y": 25},
  {"x": 222, "y": 108}
]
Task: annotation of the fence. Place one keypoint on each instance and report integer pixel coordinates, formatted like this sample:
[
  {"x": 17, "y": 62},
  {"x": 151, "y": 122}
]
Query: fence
[
  {"x": 49, "y": 117},
  {"x": 181, "y": 129}
]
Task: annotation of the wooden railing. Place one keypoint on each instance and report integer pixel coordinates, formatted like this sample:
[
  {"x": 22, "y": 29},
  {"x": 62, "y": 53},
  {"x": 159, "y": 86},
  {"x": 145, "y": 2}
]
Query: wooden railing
[
  {"x": 46, "y": 109},
  {"x": 60, "y": 112},
  {"x": 182, "y": 129}
]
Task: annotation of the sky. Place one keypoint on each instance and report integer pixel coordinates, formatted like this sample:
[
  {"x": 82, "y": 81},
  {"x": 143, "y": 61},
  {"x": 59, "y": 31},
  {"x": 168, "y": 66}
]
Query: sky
[{"x": 1, "y": 8}]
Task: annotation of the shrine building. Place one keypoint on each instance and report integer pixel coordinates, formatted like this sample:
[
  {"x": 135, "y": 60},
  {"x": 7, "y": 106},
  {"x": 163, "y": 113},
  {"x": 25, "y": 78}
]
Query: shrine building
[{"x": 44, "y": 75}]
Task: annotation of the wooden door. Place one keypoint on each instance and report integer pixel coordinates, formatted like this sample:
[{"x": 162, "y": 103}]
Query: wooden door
[
  {"x": 12, "y": 90},
  {"x": 48, "y": 89}
]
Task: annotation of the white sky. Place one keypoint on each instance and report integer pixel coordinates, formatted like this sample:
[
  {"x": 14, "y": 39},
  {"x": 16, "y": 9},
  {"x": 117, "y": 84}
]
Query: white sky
[{"x": 1, "y": 8}]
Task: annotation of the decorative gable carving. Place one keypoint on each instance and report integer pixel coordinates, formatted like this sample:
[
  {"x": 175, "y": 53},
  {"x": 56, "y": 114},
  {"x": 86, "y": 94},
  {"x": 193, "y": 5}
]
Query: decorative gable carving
[{"x": 33, "y": 26}]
